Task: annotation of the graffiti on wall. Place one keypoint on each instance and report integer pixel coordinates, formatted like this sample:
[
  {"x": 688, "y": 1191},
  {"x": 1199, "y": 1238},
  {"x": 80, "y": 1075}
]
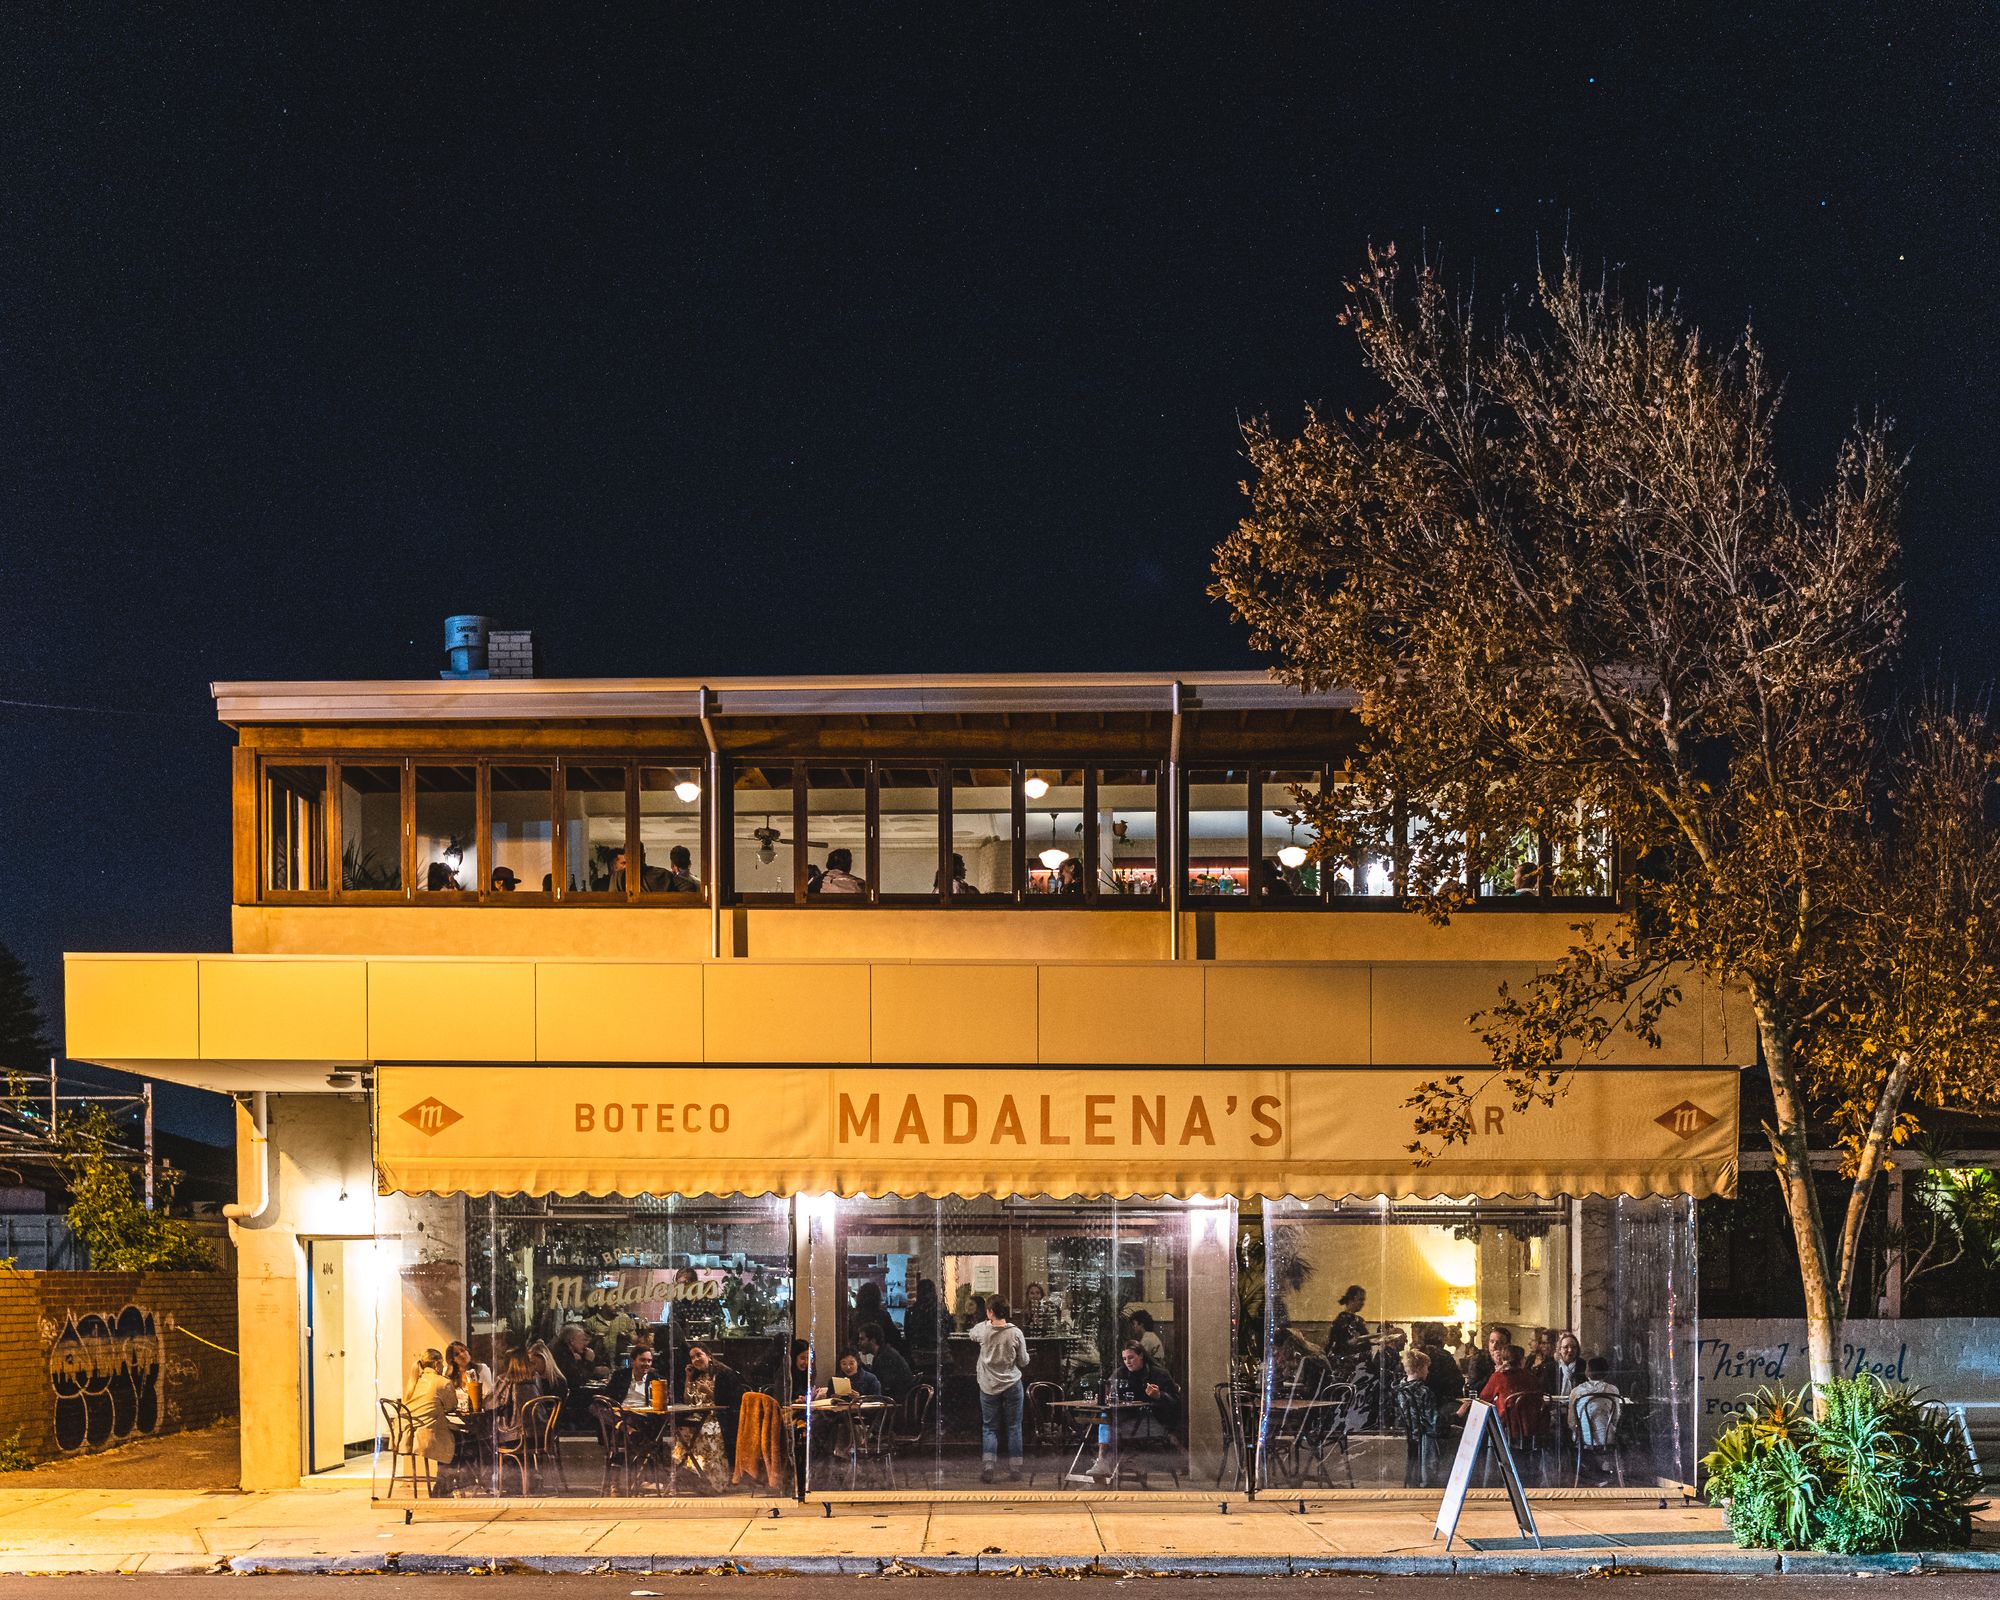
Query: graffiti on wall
[{"x": 105, "y": 1378}]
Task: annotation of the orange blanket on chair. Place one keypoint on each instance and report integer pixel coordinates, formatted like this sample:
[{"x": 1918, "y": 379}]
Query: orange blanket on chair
[{"x": 759, "y": 1454}]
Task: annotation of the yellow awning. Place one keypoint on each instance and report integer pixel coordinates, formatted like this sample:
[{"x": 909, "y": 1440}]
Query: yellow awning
[{"x": 1056, "y": 1131}]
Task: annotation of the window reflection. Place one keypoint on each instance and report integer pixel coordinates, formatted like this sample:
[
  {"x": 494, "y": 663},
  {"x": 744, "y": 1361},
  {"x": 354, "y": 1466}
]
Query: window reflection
[
  {"x": 1127, "y": 823},
  {"x": 371, "y": 828},
  {"x": 908, "y": 848},
  {"x": 837, "y": 865},
  {"x": 1218, "y": 813},
  {"x": 523, "y": 822},
  {"x": 1516, "y": 868},
  {"x": 761, "y": 844},
  {"x": 1054, "y": 799},
  {"x": 982, "y": 831},
  {"x": 295, "y": 828},
  {"x": 670, "y": 829},
  {"x": 593, "y": 828}
]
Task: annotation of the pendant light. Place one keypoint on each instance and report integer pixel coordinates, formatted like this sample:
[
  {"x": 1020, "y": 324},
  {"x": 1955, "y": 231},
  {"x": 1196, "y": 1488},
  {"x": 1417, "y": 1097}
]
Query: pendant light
[
  {"x": 1294, "y": 853},
  {"x": 1035, "y": 787},
  {"x": 687, "y": 791},
  {"x": 1055, "y": 855}
]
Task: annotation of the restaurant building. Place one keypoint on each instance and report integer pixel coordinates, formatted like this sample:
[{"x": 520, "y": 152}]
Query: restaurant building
[{"x": 745, "y": 1013}]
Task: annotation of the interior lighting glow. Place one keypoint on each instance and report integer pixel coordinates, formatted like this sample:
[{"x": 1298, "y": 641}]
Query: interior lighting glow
[
  {"x": 1053, "y": 857},
  {"x": 1292, "y": 855},
  {"x": 687, "y": 791},
  {"x": 1035, "y": 788}
]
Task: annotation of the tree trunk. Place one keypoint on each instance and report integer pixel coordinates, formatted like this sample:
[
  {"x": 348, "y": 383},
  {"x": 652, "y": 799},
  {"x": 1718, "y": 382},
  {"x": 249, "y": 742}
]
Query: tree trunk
[
  {"x": 1874, "y": 1156},
  {"x": 1792, "y": 1159}
]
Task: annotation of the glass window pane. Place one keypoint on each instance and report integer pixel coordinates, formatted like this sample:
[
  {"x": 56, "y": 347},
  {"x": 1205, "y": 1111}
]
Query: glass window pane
[
  {"x": 901, "y": 1295},
  {"x": 1285, "y": 837},
  {"x": 371, "y": 828},
  {"x": 1365, "y": 864},
  {"x": 578, "y": 1308},
  {"x": 908, "y": 801},
  {"x": 761, "y": 831},
  {"x": 1582, "y": 855},
  {"x": 1394, "y": 1311},
  {"x": 593, "y": 829},
  {"x": 447, "y": 829},
  {"x": 1128, "y": 831},
  {"x": 295, "y": 828},
  {"x": 1218, "y": 817},
  {"x": 837, "y": 831},
  {"x": 1054, "y": 797},
  {"x": 670, "y": 830},
  {"x": 982, "y": 830},
  {"x": 1515, "y": 868},
  {"x": 523, "y": 811},
  {"x": 1436, "y": 857}
]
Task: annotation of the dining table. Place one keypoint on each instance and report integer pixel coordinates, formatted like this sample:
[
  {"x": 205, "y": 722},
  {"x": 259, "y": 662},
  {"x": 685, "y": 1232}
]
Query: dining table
[
  {"x": 660, "y": 1424},
  {"x": 850, "y": 1414},
  {"x": 1095, "y": 1418}
]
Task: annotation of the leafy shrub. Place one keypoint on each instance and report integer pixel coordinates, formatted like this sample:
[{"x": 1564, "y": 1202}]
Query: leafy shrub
[
  {"x": 14, "y": 1455},
  {"x": 1875, "y": 1470},
  {"x": 120, "y": 1234}
]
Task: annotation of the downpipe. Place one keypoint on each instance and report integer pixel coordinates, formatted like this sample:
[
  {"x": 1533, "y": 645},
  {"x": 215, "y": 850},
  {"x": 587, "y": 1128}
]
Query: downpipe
[{"x": 260, "y": 1120}]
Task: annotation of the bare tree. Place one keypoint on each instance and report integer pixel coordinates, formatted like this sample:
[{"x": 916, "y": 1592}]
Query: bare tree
[{"x": 1577, "y": 603}]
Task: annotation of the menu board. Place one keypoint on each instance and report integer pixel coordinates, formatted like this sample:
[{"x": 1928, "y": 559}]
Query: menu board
[{"x": 1482, "y": 1432}]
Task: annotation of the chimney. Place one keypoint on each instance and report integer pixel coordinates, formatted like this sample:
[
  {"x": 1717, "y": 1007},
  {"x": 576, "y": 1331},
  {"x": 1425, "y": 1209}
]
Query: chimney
[{"x": 510, "y": 653}]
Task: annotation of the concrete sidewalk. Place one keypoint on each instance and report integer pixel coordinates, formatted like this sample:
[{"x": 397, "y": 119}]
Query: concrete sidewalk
[{"x": 338, "y": 1530}]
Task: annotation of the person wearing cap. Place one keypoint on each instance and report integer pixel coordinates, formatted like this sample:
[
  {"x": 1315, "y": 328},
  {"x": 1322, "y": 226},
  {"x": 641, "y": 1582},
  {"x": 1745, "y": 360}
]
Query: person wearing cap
[{"x": 504, "y": 880}]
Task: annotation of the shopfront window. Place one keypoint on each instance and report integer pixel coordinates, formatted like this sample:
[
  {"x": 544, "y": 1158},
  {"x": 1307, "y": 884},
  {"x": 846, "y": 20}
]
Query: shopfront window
[
  {"x": 1580, "y": 856},
  {"x": 1055, "y": 820},
  {"x": 902, "y": 1291},
  {"x": 1285, "y": 869},
  {"x": 838, "y": 868},
  {"x": 1515, "y": 868},
  {"x": 670, "y": 829},
  {"x": 761, "y": 859},
  {"x": 593, "y": 829},
  {"x": 523, "y": 823},
  {"x": 907, "y": 805},
  {"x": 982, "y": 832},
  {"x": 447, "y": 829},
  {"x": 1381, "y": 1319},
  {"x": 295, "y": 828},
  {"x": 1127, "y": 824},
  {"x": 371, "y": 829},
  {"x": 637, "y": 1346}
]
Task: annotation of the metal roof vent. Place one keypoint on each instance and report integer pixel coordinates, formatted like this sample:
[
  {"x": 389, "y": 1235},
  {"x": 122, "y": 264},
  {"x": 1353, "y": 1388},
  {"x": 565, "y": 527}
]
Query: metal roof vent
[{"x": 465, "y": 646}]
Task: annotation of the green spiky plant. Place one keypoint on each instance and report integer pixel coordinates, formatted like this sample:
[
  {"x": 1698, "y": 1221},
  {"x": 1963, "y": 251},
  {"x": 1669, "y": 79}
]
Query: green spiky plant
[{"x": 1875, "y": 1470}]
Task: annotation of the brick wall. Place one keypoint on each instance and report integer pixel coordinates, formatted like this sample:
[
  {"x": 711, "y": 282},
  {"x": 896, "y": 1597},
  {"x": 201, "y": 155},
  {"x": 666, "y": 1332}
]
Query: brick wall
[{"x": 93, "y": 1360}]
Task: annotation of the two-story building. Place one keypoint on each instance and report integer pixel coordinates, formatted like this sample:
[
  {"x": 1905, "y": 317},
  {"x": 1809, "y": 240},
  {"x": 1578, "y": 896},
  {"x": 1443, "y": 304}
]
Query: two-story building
[{"x": 792, "y": 1018}]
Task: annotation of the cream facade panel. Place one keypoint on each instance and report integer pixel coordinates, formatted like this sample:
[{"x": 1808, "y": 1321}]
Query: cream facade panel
[
  {"x": 1419, "y": 1012},
  {"x": 1286, "y": 1016},
  {"x": 753, "y": 1011},
  {"x": 139, "y": 1008},
  {"x": 617, "y": 1011},
  {"x": 284, "y": 1010},
  {"x": 1127, "y": 1014},
  {"x": 953, "y": 1013},
  {"x": 451, "y": 1010}
]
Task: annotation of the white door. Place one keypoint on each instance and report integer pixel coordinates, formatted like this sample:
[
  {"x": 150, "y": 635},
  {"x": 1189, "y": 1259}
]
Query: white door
[{"x": 326, "y": 1344}]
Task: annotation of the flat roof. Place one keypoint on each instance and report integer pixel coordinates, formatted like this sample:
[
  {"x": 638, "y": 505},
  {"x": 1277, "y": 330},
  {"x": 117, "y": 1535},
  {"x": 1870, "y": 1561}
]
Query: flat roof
[{"x": 502, "y": 699}]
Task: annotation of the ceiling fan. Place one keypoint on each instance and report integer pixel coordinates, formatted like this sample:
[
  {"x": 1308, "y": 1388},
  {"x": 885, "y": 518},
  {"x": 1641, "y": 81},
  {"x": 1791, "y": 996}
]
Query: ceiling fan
[{"x": 769, "y": 838}]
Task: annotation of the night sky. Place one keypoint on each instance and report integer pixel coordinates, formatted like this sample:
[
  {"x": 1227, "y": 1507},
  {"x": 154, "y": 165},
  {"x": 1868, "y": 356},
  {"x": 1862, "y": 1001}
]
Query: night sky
[{"x": 725, "y": 339}]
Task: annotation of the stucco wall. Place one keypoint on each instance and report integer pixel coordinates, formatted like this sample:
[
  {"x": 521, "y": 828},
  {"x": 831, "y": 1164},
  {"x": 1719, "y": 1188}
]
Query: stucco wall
[{"x": 93, "y": 1360}]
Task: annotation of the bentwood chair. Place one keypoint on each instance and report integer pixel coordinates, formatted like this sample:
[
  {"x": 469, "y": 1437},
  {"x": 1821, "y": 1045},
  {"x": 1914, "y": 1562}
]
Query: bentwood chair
[
  {"x": 401, "y": 1434},
  {"x": 622, "y": 1445},
  {"x": 1229, "y": 1408},
  {"x": 532, "y": 1448},
  {"x": 1599, "y": 1416}
]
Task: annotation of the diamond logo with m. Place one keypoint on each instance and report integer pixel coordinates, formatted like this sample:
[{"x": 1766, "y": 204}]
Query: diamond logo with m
[
  {"x": 431, "y": 1115},
  {"x": 1685, "y": 1120}
]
